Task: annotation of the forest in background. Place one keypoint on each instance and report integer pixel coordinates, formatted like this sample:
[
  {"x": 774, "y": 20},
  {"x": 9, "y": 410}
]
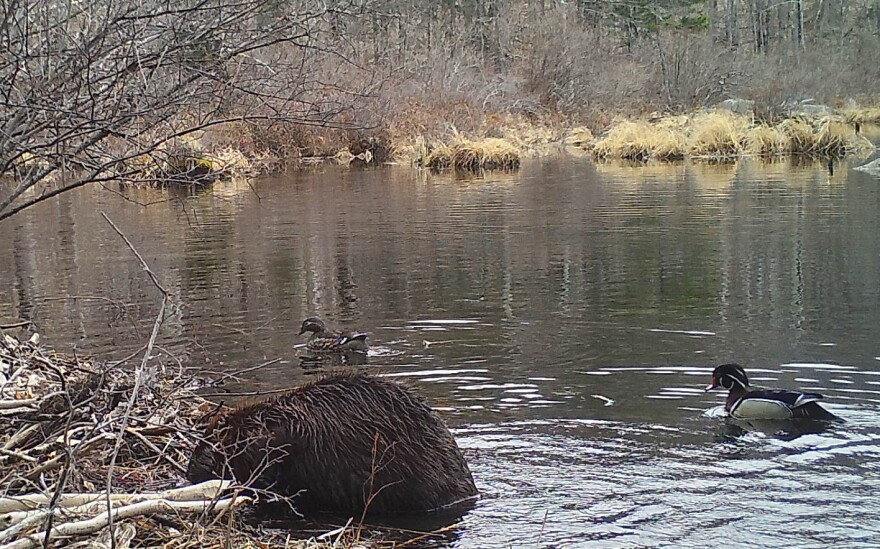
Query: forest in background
[{"x": 114, "y": 89}]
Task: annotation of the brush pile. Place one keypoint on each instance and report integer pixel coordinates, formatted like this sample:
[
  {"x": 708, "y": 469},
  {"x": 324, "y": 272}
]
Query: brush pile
[{"x": 88, "y": 451}]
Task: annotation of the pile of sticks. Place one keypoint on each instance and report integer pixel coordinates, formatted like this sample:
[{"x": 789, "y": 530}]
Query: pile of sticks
[{"x": 81, "y": 450}]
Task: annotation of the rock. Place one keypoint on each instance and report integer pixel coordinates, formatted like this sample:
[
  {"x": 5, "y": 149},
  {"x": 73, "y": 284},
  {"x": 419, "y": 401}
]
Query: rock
[
  {"x": 872, "y": 168},
  {"x": 737, "y": 106}
]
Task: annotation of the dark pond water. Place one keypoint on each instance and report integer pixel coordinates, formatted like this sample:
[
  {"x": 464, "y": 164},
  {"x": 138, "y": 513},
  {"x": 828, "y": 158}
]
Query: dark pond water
[{"x": 564, "y": 319}]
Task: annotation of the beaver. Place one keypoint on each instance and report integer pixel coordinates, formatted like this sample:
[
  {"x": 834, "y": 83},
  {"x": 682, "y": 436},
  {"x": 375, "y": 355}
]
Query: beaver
[{"x": 346, "y": 443}]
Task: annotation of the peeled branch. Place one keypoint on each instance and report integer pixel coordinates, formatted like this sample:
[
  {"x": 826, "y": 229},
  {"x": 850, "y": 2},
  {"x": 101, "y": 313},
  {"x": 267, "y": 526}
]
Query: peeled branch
[{"x": 143, "y": 508}]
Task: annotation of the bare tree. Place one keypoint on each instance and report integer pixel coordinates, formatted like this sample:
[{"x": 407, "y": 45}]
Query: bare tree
[{"x": 85, "y": 87}]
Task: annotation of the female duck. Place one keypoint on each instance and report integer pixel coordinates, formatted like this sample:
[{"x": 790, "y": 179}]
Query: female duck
[
  {"x": 745, "y": 402},
  {"x": 323, "y": 340}
]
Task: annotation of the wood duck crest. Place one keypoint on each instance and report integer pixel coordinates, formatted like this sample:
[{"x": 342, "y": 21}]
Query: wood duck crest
[
  {"x": 746, "y": 402},
  {"x": 729, "y": 376},
  {"x": 325, "y": 340}
]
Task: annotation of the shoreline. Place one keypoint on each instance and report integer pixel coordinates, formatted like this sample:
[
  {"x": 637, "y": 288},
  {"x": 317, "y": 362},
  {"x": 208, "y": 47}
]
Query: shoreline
[{"x": 706, "y": 135}]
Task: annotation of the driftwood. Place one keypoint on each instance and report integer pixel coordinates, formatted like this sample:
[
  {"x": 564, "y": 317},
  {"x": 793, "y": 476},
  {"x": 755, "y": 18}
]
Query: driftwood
[{"x": 33, "y": 509}]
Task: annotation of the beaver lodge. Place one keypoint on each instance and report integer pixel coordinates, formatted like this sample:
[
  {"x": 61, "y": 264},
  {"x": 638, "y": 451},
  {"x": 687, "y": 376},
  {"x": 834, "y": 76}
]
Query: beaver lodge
[{"x": 87, "y": 449}]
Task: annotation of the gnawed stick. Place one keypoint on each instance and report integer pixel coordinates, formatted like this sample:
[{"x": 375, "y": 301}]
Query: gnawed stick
[
  {"x": 206, "y": 490},
  {"x": 160, "y": 453},
  {"x": 23, "y": 403},
  {"x": 20, "y": 436},
  {"x": 143, "y": 508}
]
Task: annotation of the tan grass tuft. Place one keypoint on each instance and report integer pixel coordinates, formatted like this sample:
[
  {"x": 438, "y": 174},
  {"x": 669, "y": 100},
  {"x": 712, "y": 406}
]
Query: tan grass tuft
[
  {"x": 800, "y": 135},
  {"x": 828, "y": 136},
  {"x": 862, "y": 115},
  {"x": 628, "y": 140},
  {"x": 763, "y": 140},
  {"x": 474, "y": 155},
  {"x": 580, "y": 137},
  {"x": 716, "y": 135},
  {"x": 641, "y": 141}
]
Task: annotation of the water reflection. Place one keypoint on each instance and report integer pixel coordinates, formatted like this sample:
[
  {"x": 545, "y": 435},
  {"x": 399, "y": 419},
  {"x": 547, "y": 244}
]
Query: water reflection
[
  {"x": 328, "y": 361},
  {"x": 783, "y": 429},
  {"x": 563, "y": 319}
]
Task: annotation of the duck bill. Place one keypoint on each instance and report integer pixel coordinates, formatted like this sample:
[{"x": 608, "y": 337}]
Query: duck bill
[
  {"x": 301, "y": 332},
  {"x": 712, "y": 386}
]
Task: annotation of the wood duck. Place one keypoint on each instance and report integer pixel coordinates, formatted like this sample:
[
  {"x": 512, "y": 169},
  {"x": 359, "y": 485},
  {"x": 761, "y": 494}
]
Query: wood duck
[
  {"x": 323, "y": 340},
  {"x": 745, "y": 402}
]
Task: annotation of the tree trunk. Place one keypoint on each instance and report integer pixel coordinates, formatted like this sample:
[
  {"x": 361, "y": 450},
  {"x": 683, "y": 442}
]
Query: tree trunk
[
  {"x": 732, "y": 23},
  {"x": 799, "y": 24}
]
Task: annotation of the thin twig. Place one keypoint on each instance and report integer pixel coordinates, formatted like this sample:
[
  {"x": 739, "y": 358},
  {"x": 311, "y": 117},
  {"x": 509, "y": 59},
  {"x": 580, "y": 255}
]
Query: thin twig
[
  {"x": 237, "y": 373},
  {"x": 19, "y": 324},
  {"x": 139, "y": 376},
  {"x": 245, "y": 393}
]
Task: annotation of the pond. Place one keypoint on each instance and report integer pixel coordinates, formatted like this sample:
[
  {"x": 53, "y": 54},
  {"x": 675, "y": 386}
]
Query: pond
[{"x": 564, "y": 319}]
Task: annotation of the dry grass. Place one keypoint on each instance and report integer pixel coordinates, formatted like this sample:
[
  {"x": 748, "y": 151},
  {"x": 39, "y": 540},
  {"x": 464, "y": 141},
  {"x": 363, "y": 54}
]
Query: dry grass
[
  {"x": 725, "y": 136},
  {"x": 826, "y": 137},
  {"x": 764, "y": 140},
  {"x": 716, "y": 135},
  {"x": 474, "y": 155},
  {"x": 836, "y": 138},
  {"x": 642, "y": 141},
  {"x": 861, "y": 115},
  {"x": 485, "y": 140},
  {"x": 627, "y": 140},
  {"x": 800, "y": 135},
  {"x": 580, "y": 136}
]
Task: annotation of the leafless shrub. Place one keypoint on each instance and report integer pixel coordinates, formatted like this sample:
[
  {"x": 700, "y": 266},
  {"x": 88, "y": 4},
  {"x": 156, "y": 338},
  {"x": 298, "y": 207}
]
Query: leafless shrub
[{"x": 87, "y": 87}]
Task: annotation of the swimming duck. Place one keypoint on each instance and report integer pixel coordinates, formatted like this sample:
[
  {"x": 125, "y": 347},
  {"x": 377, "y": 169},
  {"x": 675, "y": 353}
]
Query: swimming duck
[
  {"x": 745, "y": 402},
  {"x": 323, "y": 340}
]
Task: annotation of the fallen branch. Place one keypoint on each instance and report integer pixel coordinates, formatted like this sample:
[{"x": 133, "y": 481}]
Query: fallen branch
[
  {"x": 206, "y": 490},
  {"x": 23, "y": 403},
  {"x": 144, "y": 508},
  {"x": 11, "y": 325}
]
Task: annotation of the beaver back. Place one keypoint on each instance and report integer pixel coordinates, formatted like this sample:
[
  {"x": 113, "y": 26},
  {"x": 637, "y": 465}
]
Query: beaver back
[{"x": 343, "y": 443}]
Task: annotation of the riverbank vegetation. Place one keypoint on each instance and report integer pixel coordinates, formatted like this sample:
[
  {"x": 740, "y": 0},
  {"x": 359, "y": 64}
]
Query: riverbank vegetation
[
  {"x": 108, "y": 91},
  {"x": 726, "y": 136}
]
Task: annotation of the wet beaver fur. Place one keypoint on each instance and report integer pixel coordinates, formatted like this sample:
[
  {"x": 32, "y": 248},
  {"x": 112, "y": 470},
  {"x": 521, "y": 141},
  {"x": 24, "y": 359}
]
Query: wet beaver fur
[{"x": 340, "y": 444}]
